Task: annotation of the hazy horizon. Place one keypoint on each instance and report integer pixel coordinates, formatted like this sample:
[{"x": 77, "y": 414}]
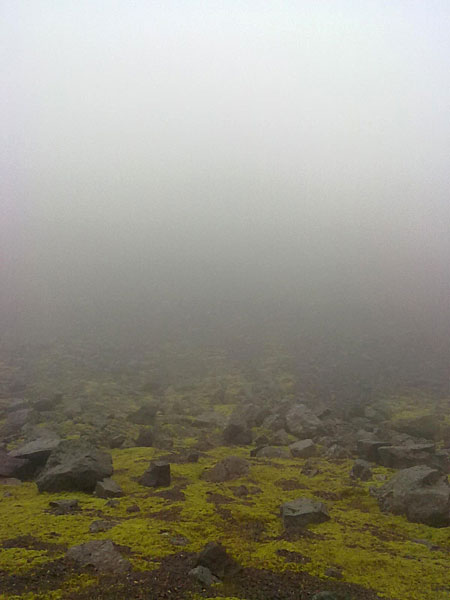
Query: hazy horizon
[{"x": 227, "y": 160}]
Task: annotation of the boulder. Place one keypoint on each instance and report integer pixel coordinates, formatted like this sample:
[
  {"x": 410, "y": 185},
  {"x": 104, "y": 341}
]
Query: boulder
[
  {"x": 402, "y": 457},
  {"x": 108, "y": 488},
  {"x": 303, "y": 449},
  {"x": 272, "y": 452},
  {"x": 361, "y": 469},
  {"x": 368, "y": 449},
  {"x": 302, "y": 422},
  {"x": 74, "y": 465},
  {"x": 215, "y": 558},
  {"x": 203, "y": 575},
  {"x": 302, "y": 512},
  {"x": 100, "y": 554},
  {"x": 237, "y": 434},
  {"x": 64, "y": 507},
  {"x": 209, "y": 419},
  {"x": 36, "y": 452},
  {"x": 145, "y": 415},
  {"x": 421, "y": 493},
  {"x": 280, "y": 438},
  {"x": 424, "y": 426},
  {"x": 227, "y": 469},
  {"x": 47, "y": 404},
  {"x": 157, "y": 475},
  {"x": 11, "y": 466},
  {"x": 145, "y": 438},
  {"x": 100, "y": 526}
]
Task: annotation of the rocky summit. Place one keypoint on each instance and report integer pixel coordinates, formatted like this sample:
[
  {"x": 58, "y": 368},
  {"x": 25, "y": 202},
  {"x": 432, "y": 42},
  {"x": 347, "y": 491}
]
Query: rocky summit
[{"x": 234, "y": 485}]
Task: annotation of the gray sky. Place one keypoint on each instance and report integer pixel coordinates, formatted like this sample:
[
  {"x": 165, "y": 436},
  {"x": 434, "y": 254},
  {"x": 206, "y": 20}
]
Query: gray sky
[{"x": 188, "y": 147}]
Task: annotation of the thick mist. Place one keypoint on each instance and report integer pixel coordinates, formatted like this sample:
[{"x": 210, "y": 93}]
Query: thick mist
[{"x": 199, "y": 169}]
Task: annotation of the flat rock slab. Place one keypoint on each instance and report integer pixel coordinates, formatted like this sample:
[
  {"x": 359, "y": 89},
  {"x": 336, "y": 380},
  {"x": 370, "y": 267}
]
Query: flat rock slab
[{"x": 108, "y": 488}]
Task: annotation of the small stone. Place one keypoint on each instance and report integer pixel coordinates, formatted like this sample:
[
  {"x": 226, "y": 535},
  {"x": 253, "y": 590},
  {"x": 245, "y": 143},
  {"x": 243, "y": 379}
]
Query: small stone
[
  {"x": 99, "y": 526},
  {"x": 157, "y": 475},
  {"x": 134, "y": 508},
  {"x": 203, "y": 575},
  {"x": 108, "y": 488},
  {"x": 64, "y": 507}
]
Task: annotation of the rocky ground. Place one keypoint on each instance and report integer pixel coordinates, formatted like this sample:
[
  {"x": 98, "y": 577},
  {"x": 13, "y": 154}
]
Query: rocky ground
[{"x": 193, "y": 477}]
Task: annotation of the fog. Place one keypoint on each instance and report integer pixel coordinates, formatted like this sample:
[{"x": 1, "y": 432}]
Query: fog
[{"x": 202, "y": 168}]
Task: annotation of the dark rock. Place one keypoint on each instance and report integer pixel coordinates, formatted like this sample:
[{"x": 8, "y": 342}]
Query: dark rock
[
  {"x": 113, "y": 503},
  {"x": 361, "y": 470},
  {"x": 279, "y": 438},
  {"x": 134, "y": 508},
  {"x": 420, "y": 493},
  {"x": 215, "y": 558},
  {"x": 425, "y": 426},
  {"x": 302, "y": 422},
  {"x": 193, "y": 457},
  {"x": 108, "y": 488},
  {"x": 100, "y": 526},
  {"x": 237, "y": 434},
  {"x": 145, "y": 415},
  {"x": 47, "y": 404},
  {"x": 157, "y": 475},
  {"x": 302, "y": 512},
  {"x": 325, "y": 596},
  {"x": 64, "y": 507},
  {"x": 303, "y": 449},
  {"x": 368, "y": 449},
  {"x": 145, "y": 438},
  {"x": 100, "y": 554},
  {"x": 11, "y": 466},
  {"x": 36, "y": 453},
  {"x": 402, "y": 457},
  {"x": 10, "y": 481},
  {"x": 203, "y": 575},
  {"x": 117, "y": 441},
  {"x": 227, "y": 469},
  {"x": 16, "y": 420},
  {"x": 74, "y": 465},
  {"x": 272, "y": 452},
  {"x": 333, "y": 572}
]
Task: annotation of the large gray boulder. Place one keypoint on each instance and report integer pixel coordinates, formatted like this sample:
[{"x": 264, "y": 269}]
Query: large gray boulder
[
  {"x": 402, "y": 457},
  {"x": 11, "y": 466},
  {"x": 302, "y": 512},
  {"x": 272, "y": 452},
  {"x": 420, "y": 493},
  {"x": 100, "y": 554},
  {"x": 74, "y": 465},
  {"x": 303, "y": 449},
  {"x": 237, "y": 434},
  {"x": 302, "y": 422},
  {"x": 227, "y": 469},
  {"x": 36, "y": 452}
]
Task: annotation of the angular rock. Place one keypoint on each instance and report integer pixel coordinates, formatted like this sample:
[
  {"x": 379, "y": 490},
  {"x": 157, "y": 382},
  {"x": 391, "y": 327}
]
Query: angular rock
[
  {"x": 420, "y": 493},
  {"x": 74, "y": 465},
  {"x": 302, "y": 422},
  {"x": 145, "y": 438},
  {"x": 361, "y": 470},
  {"x": 145, "y": 415},
  {"x": 215, "y": 558},
  {"x": 36, "y": 452},
  {"x": 368, "y": 449},
  {"x": 402, "y": 457},
  {"x": 157, "y": 475},
  {"x": 100, "y": 554},
  {"x": 272, "y": 452},
  {"x": 100, "y": 526},
  {"x": 302, "y": 512},
  {"x": 425, "y": 426},
  {"x": 227, "y": 469},
  {"x": 203, "y": 575},
  {"x": 303, "y": 449},
  {"x": 279, "y": 438},
  {"x": 108, "y": 488},
  {"x": 238, "y": 435},
  {"x": 64, "y": 507},
  {"x": 11, "y": 466}
]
